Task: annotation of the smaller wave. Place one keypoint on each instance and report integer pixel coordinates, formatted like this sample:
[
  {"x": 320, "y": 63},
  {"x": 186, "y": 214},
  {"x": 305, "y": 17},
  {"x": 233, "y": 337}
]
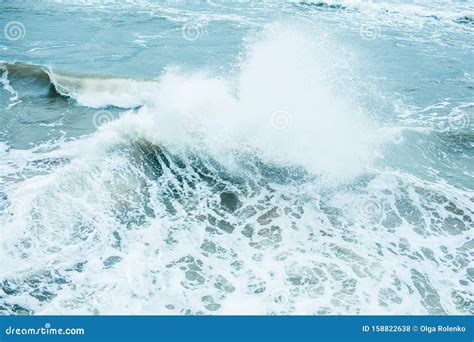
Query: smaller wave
[
  {"x": 98, "y": 92},
  {"x": 26, "y": 70},
  {"x": 465, "y": 20},
  {"x": 460, "y": 14},
  {"x": 322, "y": 5},
  {"x": 90, "y": 91}
]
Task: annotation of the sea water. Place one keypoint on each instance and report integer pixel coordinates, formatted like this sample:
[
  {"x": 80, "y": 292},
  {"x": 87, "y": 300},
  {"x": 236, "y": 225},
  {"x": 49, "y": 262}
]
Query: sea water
[{"x": 236, "y": 157}]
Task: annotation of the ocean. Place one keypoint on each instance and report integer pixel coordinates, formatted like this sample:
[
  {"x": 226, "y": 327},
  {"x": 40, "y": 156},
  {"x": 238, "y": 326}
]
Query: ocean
[{"x": 218, "y": 157}]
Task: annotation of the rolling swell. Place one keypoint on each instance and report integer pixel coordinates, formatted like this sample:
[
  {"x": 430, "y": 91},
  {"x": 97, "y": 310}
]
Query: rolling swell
[
  {"x": 91, "y": 91},
  {"x": 23, "y": 75},
  {"x": 465, "y": 20}
]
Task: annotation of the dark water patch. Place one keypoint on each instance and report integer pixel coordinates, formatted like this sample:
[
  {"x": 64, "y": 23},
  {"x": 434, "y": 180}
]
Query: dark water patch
[
  {"x": 149, "y": 158},
  {"x": 230, "y": 201},
  {"x": 13, "y": 309},
  {"x": 31, "y": 80},
  {"x": 465, "y": 20},
  {"x": 457, "y": 140},
  {"x": 18, "y": 70},
  {"x": 321, "y": 5},
  {"x": 196, "y": 167}
]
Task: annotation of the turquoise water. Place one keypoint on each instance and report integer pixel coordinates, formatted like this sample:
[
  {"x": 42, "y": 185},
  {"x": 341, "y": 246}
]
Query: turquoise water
[{"x": 236, "y": 157}]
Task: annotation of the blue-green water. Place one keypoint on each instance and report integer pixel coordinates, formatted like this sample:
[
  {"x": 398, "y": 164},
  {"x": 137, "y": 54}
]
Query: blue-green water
[{"x": 236, "y": 157}]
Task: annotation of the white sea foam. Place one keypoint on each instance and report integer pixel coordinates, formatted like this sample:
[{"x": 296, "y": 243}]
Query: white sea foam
[
  {"x": 103, "y": 92},
  {"x": 284, "y": 74},
  {"x": 6, "y": 85},
  {"x": 150, "y": 215}
]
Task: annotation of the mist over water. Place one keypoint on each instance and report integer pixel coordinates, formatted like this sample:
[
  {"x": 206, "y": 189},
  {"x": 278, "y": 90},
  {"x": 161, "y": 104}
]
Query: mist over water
[{"x": 287, "y": 158}]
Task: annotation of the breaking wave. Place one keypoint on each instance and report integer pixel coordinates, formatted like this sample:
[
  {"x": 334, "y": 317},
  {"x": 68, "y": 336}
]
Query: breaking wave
[
  {"x": 95, "y": 92},
  {"x": 262, "y": 193}
]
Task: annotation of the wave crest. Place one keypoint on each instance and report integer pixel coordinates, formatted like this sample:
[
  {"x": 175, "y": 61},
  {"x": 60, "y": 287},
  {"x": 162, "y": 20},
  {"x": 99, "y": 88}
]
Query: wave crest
[{"x": 94, "y": 91}]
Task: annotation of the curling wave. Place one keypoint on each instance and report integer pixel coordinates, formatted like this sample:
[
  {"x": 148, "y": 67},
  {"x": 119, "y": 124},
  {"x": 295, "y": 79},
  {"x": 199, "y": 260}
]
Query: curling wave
[{"x": 94, "y": 91}]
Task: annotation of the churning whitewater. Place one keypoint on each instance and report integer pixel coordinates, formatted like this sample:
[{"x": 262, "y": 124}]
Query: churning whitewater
[{"x": 294, "y": 172}]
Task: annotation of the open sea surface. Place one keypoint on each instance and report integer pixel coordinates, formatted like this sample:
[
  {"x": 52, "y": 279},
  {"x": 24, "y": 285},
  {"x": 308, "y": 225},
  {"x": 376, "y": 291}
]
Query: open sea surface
[{"x": 236, "y": 157}]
